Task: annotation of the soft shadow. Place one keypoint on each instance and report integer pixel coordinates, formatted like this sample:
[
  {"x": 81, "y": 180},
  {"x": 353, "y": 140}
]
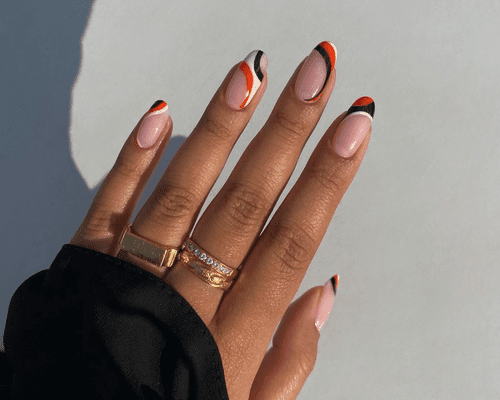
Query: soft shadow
[{"x": 44, "y": 199}]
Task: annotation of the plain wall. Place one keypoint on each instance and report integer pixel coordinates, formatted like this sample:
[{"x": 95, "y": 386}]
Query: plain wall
[{"x": 415, "y": 238}]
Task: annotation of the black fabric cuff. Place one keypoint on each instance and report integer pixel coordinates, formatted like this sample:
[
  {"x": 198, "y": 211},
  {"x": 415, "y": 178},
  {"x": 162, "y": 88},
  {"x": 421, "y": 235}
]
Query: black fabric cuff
[{"x": 95, "y": 326}]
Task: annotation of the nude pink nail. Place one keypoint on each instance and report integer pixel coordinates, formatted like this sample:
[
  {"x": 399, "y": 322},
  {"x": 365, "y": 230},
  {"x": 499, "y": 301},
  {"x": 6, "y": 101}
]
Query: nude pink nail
[
  {"x": 152, "y": 125},
  {"x": 326, "y": 302},
  {"x": 314, "y": 74},
  {"x": 354, "y": 127}
]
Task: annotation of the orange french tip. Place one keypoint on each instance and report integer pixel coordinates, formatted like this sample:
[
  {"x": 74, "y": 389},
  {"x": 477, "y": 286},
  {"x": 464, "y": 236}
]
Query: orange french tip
[
  {"x": 158, "y": 106},
  {"x": 363, "y": 101},
  {"x": 331, "y": 52}
]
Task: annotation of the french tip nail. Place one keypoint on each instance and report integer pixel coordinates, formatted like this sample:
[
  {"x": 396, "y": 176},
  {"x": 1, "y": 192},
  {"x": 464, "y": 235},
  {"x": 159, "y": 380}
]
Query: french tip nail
[
  {"x": 159, "y": 105},
  {"x": 326, "y": 301},
  {"x": 364, "y": 104},
  {"x": 331, "y": 50},
  {"x": 334, "y": 48},
  {"x": 335, "y": 283}
]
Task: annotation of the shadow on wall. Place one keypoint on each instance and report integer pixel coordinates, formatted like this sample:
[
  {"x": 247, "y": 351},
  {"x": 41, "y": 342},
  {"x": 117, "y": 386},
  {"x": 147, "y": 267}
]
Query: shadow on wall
[{"x": 46, "y": 198}]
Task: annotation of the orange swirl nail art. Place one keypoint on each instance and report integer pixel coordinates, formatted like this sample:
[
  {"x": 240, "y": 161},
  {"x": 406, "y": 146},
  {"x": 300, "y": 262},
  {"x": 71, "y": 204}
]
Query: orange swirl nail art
[
  {"x": 328, "y": 51},
  {"x": 251, "y": 69},
  {"x": 246, "y": 80}
]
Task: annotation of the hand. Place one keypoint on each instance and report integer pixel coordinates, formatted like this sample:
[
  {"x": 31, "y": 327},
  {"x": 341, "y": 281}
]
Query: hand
[{"x": 242, "y": 319}]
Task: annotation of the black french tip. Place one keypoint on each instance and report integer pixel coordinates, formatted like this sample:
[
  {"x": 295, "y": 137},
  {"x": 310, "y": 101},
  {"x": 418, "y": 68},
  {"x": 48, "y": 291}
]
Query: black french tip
[
  {"x": 158, "y": 105},
  {"x": 365, "y": 104},
  {"x": 335, "y": 283}
]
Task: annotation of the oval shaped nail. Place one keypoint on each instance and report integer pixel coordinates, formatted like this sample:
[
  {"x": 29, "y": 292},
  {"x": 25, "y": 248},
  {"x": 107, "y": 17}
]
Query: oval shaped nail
[
  {"x": 315, "y": 71},
  {"x": 326, "y": 301},
  {"x": 246, "y": 80},
  {"x": 354, "y": 127},
  {"x": 152, "y": 125}
]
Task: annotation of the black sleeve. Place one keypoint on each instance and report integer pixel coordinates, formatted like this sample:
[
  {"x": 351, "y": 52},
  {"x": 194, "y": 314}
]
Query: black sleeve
[{"x": 94, "y": 326}]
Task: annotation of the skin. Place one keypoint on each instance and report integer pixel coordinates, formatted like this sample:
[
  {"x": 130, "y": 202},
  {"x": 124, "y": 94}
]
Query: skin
[{"x": 243, "y": 319}]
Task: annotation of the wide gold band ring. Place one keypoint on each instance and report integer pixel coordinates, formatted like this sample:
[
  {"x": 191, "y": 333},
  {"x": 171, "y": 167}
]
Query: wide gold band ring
[
  {"x": 202, "y": 264},
  {"x": 162, "y": 257}
]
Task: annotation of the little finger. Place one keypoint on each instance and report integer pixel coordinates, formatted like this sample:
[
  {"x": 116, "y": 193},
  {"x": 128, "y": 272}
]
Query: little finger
[{"x": 117, "y": 197}]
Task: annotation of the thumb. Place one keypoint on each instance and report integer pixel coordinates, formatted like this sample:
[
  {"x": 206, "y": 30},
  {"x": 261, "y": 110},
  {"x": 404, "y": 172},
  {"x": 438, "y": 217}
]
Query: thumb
[{"x": 291, "y": 359}]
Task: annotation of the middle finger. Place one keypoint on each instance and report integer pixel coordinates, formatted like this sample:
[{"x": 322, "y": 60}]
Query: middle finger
[{"x": 234, "y": 219}]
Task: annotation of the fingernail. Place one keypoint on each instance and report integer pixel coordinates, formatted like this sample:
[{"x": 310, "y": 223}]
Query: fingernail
[
  {"x": 354, "y": 127},
  {"x": 152, "y": 124},
  {"x": 326, "y": 301},
  {"x": 315, "y": 72},
  {"x": 246, "y": 80}
]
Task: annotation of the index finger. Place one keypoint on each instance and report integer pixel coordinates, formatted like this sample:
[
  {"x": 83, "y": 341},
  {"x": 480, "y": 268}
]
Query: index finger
[{"x": 249, "y": 313}]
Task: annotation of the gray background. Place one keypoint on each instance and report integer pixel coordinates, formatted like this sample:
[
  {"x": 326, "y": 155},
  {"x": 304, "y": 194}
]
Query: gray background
[{"x": 414, "y": 239}]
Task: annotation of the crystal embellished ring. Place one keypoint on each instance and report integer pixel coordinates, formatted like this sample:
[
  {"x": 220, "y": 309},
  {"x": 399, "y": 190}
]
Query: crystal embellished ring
[{"x": 205, "y": 266}]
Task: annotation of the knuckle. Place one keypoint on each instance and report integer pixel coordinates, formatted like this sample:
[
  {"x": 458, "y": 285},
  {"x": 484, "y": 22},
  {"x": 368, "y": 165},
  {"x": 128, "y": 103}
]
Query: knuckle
[
  {"x": 127, "y": 168},
  {"x": 173, "y": 202},
  {"x": 290, "y": 128},
  {"x": 97, "y": 223},
  {"x": 217, "y": 129},
  {"x": 294, "y": 247},
  {"x": 245, "y": 206},
  {"x": 303, "y": 357},
  {"x": 306, "y": 360},
  {"x": 330, "y": 178}
]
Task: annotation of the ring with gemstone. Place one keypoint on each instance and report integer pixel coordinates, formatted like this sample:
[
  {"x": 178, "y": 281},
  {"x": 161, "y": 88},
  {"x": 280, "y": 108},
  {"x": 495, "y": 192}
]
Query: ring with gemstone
[{"x": 205, "y": 266}]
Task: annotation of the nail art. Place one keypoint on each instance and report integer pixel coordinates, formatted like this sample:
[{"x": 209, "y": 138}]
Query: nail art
[
  {"x": 354, "y": 127},
  {"x": 246, "y": 80},
  {"x": 335, "y": 283},
  {"x": 314, "y": 74},
  {"x": 364, "y": 105},
  {"x": 326, "y": 301},
  {"x": 152, "y": 124},
  {"x": 157, "y": 106}
]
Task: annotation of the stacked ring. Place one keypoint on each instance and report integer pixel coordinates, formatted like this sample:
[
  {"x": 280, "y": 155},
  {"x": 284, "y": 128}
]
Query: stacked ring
[
  {"x": 197, "y": 260},
  {"x": 205, "y": 266}
]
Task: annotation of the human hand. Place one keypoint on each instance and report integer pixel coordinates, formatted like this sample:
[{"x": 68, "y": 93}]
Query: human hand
[{"x": 243, "y": 319}]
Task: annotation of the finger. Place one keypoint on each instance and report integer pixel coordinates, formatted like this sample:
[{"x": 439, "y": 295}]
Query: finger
[
  {"x": 289, "y": 362},
  {"x": 119, "y": 193},
  {"x": 234, "y": 219},
  {"x": 275, "y": 267},
  {"x": 168, "y": 215}
]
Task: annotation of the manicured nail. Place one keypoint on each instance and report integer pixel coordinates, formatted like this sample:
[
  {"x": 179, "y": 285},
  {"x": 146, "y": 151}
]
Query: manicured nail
[
  {"x": 326, "y": 301},
  {"x": 152, "y": 124},
  {"x": 354, "y": 127},
  {"x": 246, "y": 80},
  {"x": 315, "y": 72}
]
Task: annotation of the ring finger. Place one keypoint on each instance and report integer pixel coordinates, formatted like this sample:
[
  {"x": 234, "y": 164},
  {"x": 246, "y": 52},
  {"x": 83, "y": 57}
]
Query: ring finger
[{"x": 232, "y": 222}]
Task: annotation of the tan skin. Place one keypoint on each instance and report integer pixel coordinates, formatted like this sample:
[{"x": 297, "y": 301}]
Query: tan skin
[{"x": 243, "y": 319}]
